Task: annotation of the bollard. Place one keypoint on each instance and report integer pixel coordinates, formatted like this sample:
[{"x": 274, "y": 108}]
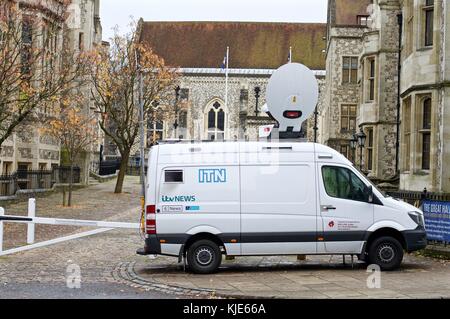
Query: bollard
[
  {"x": 2, "y": 213},
  {"x": 31, "y": 225}
]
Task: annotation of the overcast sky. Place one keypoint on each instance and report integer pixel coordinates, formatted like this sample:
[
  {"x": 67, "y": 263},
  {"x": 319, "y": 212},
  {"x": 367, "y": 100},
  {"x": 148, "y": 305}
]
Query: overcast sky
[{"x": 119, "y": 12}]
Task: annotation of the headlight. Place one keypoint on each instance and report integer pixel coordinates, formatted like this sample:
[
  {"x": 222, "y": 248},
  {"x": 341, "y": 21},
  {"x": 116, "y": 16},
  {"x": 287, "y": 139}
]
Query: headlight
[{"x": 417, "y": 218}]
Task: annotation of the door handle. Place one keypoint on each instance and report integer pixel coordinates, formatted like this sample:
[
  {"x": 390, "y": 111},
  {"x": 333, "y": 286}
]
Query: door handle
[{"x": 328, "y": 207}]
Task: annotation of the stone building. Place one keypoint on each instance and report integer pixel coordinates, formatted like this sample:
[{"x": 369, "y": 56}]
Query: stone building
[
  {"x": 256, "y": 50},
  {"x": 400, "y": 88},
  {"x": 346, "y": 25},
  {"x": 425, "y": 96},
  {"x": 27, "y": 148},
  {"x": 362, "y": 83},
  {"x": 84, "y": 34},
  {"x": 379, "y": 99}
]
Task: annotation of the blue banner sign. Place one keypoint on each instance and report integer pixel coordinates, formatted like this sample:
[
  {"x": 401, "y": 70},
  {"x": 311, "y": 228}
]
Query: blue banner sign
[{"x": 437, "y": 220}]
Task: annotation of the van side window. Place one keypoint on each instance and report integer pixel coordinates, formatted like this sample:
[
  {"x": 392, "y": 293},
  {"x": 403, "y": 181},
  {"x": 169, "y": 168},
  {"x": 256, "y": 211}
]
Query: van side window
[
  {"x": 173, "y": 176},
  {"x": 342, "y": 183}
]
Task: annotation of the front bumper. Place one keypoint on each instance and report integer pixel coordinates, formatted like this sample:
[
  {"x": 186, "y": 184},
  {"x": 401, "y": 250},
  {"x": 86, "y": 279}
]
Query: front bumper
[
  {"x": 152, "y": 246},
  {"x": 415, "y": 239}
]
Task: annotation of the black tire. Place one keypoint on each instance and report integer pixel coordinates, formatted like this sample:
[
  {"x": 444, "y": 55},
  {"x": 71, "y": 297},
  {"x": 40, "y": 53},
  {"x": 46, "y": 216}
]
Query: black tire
[
  {"x": 386, "y": 252},
  {"x": 204, "y": 257}
]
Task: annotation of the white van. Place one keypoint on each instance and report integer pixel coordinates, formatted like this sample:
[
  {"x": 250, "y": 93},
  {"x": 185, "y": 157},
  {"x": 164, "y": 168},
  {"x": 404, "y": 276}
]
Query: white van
[{"x": 205, "y": 200}]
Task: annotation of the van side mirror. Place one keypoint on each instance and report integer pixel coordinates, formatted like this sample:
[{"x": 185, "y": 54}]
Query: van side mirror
[{"x": 369, "y": 193}]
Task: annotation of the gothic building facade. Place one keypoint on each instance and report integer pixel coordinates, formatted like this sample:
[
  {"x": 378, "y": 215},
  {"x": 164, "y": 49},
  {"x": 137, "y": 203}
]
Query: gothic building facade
[
  {"x": 425, "y": 96},
  {"x": 27, "y": 148},
  {"x": 256, "y": 51},
  {"x": 387, "y": 75},
  {"x": 347, "y": 22}
]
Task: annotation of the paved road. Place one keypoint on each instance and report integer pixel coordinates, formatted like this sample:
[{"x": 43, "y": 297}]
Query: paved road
[
  {"x": 52, "y": 271},
  {"x": 33, "y": 290},
  {"x": 42, "y": 273}
]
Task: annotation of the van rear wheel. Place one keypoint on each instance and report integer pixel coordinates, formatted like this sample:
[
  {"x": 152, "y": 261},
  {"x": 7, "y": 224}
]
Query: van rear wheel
[
  {"x": 386, "y": 252},
  {"x": 204, "y": 257}
]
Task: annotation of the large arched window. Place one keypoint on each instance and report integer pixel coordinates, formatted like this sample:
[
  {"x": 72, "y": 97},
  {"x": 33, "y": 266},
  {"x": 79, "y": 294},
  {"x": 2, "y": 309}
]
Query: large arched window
[{"x": 215, "y": 122}]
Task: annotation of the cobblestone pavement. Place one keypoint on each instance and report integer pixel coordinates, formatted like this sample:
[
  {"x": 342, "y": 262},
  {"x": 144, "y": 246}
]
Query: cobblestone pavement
[
  {"x": 97, "y": 202},
  {"x": 45, "y": 272},
  {"x": 111, "y": 269}
]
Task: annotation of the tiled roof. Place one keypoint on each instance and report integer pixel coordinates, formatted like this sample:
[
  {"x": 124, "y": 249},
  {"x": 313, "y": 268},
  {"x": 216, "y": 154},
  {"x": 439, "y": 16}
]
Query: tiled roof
[
  {"x": 347, "y": 11},
  {"x": 252, "y": 45}
]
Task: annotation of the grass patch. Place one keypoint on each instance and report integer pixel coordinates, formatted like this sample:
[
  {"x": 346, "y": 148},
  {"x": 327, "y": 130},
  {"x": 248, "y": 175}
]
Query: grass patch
[{"x": 434, "y": 253}]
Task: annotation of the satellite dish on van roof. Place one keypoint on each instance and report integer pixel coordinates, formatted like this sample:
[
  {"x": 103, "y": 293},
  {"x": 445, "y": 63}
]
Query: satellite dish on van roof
[{"x": 292, "y": 96}]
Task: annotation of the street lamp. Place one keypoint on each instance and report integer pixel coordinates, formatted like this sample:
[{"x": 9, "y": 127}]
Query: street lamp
[
  {"x": 316, "y": 114},
  {"x": 153, "y": 122},
  {"x": 361, "y": 138},
  {"x": 177, "y": 96},
  {"x": 353, "y": 142},
  {"x": 257, "y": 92},
  {"x": 353, "y": 145}
]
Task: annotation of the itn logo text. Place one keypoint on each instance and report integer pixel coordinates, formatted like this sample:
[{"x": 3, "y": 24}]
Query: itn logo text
[{"x": 212, "y": 176}]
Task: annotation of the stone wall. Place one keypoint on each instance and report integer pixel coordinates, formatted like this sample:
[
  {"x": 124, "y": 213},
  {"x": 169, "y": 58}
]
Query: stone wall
[
  {"x": 344, "y": 41},
  {"x": 381, "y": 43},
  {"x": 378, "y": 41}
]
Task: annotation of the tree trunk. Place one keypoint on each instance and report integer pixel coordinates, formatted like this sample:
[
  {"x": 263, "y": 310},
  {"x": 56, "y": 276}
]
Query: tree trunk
[
  {"x": 122, "y": 171},
  {"x": 69, "y": 201},
  {"x": 64, "y": 196}
]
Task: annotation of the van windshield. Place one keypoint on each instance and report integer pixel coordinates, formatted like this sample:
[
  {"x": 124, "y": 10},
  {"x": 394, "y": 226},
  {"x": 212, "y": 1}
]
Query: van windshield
[{"x": 371, "y": 183}]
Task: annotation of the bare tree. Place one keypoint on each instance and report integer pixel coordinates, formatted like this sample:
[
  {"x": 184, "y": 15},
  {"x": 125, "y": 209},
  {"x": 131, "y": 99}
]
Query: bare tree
[
  {"x": 36, "y": 68},
  {"x": 76, "y": 131},
  {"x": 116, "y": 78}
]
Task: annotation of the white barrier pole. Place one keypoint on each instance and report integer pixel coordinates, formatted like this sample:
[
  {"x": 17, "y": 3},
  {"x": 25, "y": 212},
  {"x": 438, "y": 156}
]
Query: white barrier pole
[
  {"x": 31, "y": 226},
  {"x": 2, "y": 213}
]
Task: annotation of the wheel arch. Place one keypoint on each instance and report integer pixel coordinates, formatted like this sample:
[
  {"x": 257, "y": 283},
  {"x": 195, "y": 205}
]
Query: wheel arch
[
  {"x": 203, "y": 235},
  {"x": 386, "y": 231}
]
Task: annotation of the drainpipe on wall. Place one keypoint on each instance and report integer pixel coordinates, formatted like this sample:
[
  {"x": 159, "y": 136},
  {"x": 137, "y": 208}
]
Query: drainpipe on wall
[{"x": 399, "y": 69}]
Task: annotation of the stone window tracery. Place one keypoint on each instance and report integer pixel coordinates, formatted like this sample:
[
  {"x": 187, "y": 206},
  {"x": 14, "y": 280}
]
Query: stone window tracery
[{"x": 215, "y": 122}]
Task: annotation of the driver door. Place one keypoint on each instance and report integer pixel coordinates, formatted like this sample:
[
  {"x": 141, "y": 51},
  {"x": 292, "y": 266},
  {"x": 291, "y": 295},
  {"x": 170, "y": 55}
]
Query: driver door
[{"x": 345, "y": 210}]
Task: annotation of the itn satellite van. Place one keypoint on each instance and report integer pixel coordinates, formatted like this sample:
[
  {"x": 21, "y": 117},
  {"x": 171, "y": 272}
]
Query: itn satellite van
[{"x": 283, "y": 197}]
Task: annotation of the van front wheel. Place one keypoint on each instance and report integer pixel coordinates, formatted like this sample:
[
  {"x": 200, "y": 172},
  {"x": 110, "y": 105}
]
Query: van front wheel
[
  {"x": 204, "y": 257},
  {"x": 386, "y": 252}
]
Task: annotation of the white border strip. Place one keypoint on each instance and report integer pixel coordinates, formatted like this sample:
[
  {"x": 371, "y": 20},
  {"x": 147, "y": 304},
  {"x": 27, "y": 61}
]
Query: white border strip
[
  {"x": 54, "y": 241},
  {"x": 238, "y": 71}
]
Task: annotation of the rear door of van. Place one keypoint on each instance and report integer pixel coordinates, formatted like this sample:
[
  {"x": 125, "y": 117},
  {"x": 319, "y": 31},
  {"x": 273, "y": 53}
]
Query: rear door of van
[{"x": 278, "y": 203}]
